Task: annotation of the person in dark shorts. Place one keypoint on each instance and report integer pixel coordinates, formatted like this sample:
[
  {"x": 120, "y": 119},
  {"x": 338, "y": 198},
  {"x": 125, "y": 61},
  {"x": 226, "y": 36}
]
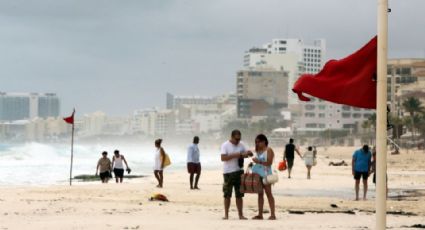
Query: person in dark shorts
[
  {"x": 118, "y": 166},
  {"x": 103, "y": 168},
  {"x": 231, "y": 151},
  {"x": 289, "y": 155},
  {"x": 193, "y": 163},
  {"x": 361, "y": 165},
  {"x": 373, "y": 168}
]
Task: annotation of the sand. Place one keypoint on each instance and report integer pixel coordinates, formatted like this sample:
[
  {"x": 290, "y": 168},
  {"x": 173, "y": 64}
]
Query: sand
[{"x": 301, "y": 203}]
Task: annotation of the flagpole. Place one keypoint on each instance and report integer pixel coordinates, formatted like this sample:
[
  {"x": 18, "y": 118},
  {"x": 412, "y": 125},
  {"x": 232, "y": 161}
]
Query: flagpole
[
  {"x": 381, "y": 117},
  {"x": 72, "y": 155}
]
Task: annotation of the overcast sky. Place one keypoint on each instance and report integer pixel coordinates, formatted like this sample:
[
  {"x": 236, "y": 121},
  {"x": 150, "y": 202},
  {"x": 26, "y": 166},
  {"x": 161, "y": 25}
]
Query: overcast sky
[{"x": 118, "y": 56}]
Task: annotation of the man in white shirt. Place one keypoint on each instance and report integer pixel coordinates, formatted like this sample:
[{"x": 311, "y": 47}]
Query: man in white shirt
[
  {"x": 233, "y": 152},
  {"x": 193, "y": 162}
]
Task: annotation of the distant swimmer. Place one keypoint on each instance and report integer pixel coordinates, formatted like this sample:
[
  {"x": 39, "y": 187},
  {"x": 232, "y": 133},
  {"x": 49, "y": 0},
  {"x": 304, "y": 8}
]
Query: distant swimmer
[{"x": 103, "y": 168}]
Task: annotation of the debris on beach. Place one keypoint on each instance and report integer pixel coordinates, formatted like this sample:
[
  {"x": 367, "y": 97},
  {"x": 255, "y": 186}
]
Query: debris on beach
[
  {"x": 338, "y": 163},
  {"x": 158, "y": 197}
]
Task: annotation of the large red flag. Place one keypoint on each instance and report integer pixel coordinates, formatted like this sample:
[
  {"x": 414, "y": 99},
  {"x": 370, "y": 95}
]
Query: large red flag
[
  {"x": 70, "y": 119},
  {"x": 349, "y": 81}
]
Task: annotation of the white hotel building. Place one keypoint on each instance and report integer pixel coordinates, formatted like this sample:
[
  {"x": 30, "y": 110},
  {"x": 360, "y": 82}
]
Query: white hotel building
[{"x": 297, "y": 57}]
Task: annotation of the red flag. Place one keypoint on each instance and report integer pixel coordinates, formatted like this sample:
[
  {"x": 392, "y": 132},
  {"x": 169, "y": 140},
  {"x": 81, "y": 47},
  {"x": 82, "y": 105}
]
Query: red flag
[
  {"x": 70, "y": 120},
  {"x": 350, "y": 81}
]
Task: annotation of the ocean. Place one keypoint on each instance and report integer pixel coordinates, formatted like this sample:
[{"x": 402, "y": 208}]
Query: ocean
[{"x": 48, "y": 164}]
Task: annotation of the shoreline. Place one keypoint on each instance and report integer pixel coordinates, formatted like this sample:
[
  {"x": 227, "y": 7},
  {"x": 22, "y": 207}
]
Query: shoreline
[{"x": 324, "y": 202}]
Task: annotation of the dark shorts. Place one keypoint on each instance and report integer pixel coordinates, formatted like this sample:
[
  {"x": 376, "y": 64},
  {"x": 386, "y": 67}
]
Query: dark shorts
[
  {"x": 374, "y": 178},
  {"x": 104, "y": 175},
  {"x": 358, "y": 175},
  {"x": 119, "y": 173},
  {"x": 290, "y": 162},
  {"x": 232, "y": 180},
  {"x": 194, "y": 168}
]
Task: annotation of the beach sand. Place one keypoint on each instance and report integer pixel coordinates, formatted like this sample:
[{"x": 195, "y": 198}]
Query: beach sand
[{"x": 301, "y": 203}]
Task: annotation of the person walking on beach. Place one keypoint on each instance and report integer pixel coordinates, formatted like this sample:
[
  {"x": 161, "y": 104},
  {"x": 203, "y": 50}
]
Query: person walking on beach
[
  {"x": 289, "y": 155},
  {"x": 159, "y": 163},
  {"x": 361, "y": 165},
  {"x": 231, "y": 151},
  {"x": 117, "y": 165},
  {"x": 264, "y": 161},
  {"x": 103, "y": 168},
  {"x": 193, "y": 163},
  {"x": 309, "y": 157}
]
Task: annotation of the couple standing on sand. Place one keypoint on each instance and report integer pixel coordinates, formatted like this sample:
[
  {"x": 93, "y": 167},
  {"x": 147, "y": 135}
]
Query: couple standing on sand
[
  {"x": 233, "y": 153},
  {"x": 105, "y": 166}
]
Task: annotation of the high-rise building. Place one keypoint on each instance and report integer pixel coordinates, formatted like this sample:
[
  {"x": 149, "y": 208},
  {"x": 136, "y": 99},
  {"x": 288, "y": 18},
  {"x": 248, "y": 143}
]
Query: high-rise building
[
  {"x": 261, "y": 92},
  {"x": 48, "y": 105},
  {"x": 406, "y": 76},
  {"x": 290, "y": 55},
  {"x": 297, "y": 57},
  {"x": 14, "y": 107},
  {"x": 312, "y": 55},
  {"x": 23, "y": 106}
]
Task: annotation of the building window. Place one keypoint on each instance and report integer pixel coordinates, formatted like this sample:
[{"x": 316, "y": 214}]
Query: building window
[
  {"x": 357, "y": 115},
  {"x": 346, "y": 108},
  {"x": 321, "y": 115},
  {"x": 309, "y": 115},
  {"x": 309, "y": 107},
  {"x": 311, "y": 125},
  {"x": 322, "y": 107},
  {"x": 346, "y": 115}
]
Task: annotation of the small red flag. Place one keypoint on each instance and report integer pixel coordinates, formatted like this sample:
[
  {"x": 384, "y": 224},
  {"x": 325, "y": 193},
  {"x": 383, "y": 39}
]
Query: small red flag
[
  {"x": 349, "y": 81},
  {"x": 70, "y": 120}
]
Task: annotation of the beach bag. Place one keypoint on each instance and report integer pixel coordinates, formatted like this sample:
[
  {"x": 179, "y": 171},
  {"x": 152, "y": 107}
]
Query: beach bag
[
  {"x": 271, "y": 179},
  {"x": 282, "y": 166},
  {"x": 314, "y": 161},
  {"x": 167, "y": 160},
  {"x": 251, "y": 182},
  {"x": 260, "y": 170}
]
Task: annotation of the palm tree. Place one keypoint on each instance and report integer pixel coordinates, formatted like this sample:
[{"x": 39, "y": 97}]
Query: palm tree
[{"x": 413, "y": 106}]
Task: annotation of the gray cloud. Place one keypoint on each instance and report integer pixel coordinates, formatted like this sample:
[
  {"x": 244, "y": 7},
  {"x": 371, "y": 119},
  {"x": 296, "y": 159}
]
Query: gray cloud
[{"x": 118, "y": 56}]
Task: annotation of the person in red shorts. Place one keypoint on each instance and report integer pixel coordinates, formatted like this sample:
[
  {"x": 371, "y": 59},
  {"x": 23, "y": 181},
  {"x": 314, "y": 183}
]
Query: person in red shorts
[{"x": 193, "y": 163}]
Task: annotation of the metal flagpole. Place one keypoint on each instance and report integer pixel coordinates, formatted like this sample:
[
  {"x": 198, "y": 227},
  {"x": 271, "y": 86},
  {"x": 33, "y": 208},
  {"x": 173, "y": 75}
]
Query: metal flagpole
[
  {"x": 381, "y": 116},
  {"x": 72, "y": 155}
]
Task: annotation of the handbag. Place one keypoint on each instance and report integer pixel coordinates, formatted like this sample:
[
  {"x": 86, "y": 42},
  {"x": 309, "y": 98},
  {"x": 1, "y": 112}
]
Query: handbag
[
  {"x": 314, "y": 161},
  {"x": 282, "y": 166},
  {"x": 260, "y": 170},
  {"x": 251, "y": 182},
  {"x": 167, "y": 160},
  {"x": 271, "y": 179}
]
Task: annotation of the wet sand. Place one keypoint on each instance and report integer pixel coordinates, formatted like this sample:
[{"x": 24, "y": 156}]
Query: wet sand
[{"x": 300, "y": 203}]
